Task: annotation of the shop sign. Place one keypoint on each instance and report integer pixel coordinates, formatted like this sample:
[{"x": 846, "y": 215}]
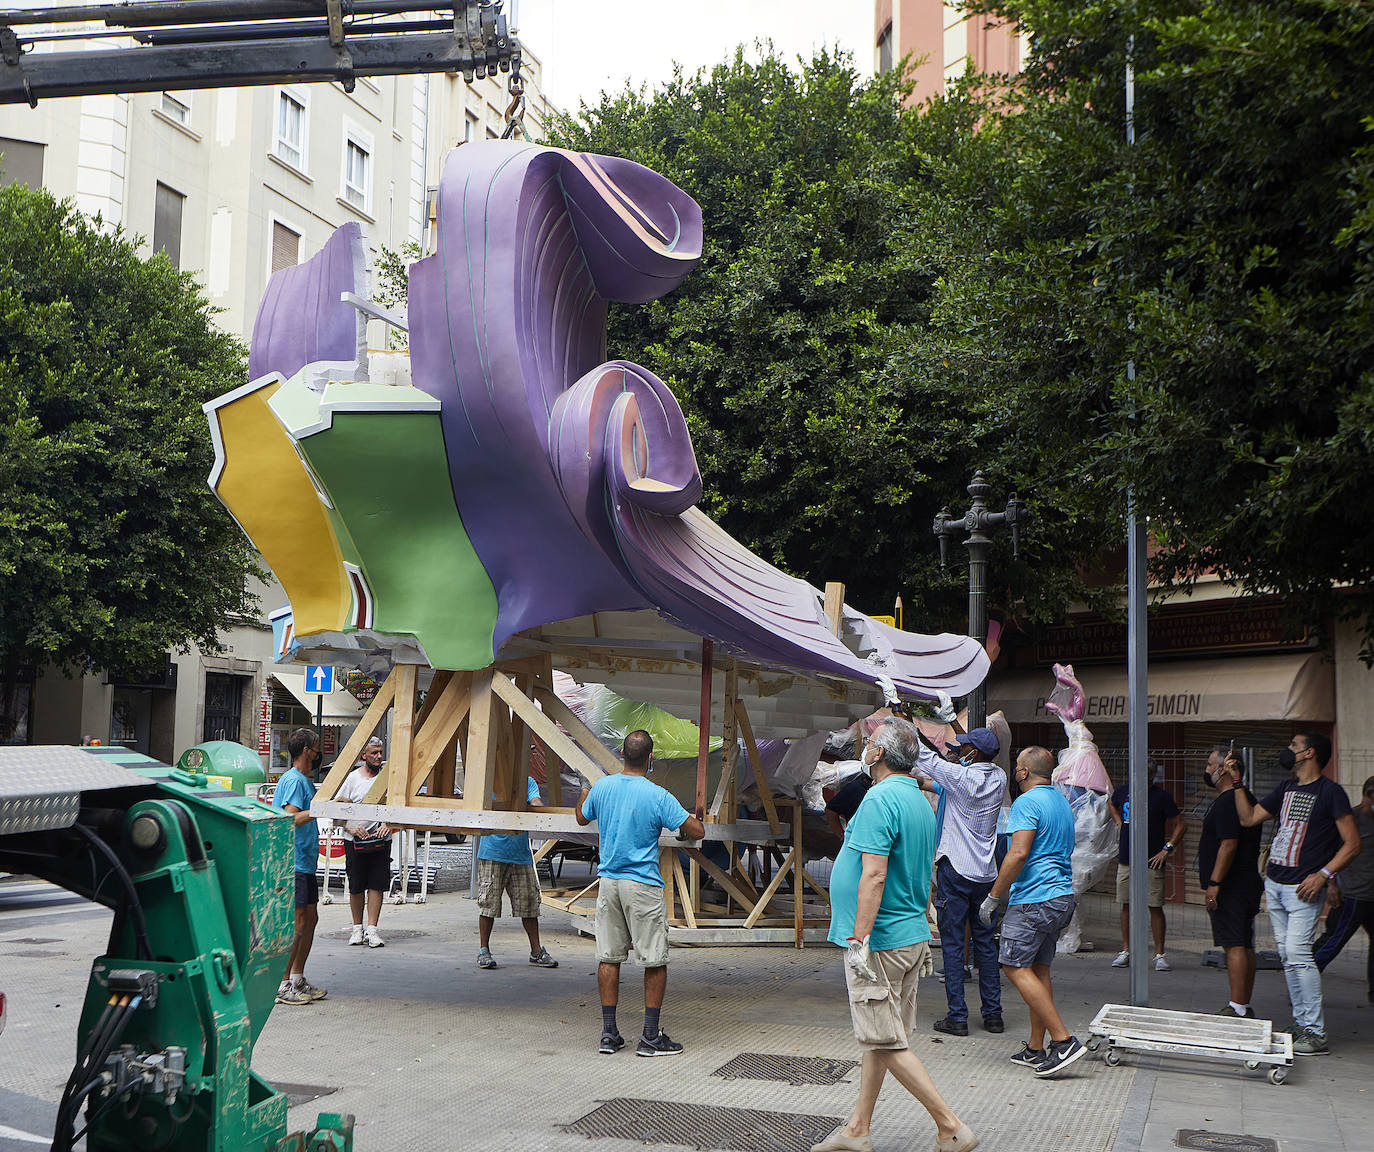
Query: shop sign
[
  {"x": 265, "y": 722},
  {"x": 1253, "y": 628},
  {"x": 362, "y": 686},
  {"x": 329, "y": 741},
  {"x": 1162, "y": 706}
]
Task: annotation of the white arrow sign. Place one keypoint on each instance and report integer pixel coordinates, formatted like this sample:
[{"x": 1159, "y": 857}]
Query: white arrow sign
[{"x": 319, "y": 678}]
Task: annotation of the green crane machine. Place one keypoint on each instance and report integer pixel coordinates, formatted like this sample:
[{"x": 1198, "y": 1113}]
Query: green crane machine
[{"x": 200, "y": 879}]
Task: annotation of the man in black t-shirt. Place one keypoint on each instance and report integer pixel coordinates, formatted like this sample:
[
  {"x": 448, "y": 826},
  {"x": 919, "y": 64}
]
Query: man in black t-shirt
[
  {"x": 1166, "y": 828},
  {"x": 1316, "y": 838},
  {"x": 1228, "y": 871}
]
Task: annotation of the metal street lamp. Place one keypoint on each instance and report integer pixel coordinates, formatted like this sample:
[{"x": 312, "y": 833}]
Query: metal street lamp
[{"x": 974, "y": 521}]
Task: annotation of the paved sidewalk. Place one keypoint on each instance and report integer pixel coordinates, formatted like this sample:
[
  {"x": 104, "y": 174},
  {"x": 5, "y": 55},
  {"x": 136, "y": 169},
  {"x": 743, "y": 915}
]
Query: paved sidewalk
[{"x": 429, "y": 1051}]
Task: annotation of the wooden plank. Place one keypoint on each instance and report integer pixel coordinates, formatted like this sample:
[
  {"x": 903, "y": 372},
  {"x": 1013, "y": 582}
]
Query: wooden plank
[
  {"x": 521, "y": 736},
  {"x": 751, "y": 749},
  {"x": 834, "y": 607},
  {"x": 481, "y": 745},
  {"x": 720, "y": 877},
  {"x": 704, "y": 724},
  {"x": 402, "y": 734},
  {"x": 438, "y": 727},
  {"x": 665, "y": 872},
  {"x": 366, "y": 729},
  {"x": 684, "y": 892},
  {"x": 436, "y": 687},
  {"x": 821, "y": 892},
  {"x": 582, "y": 736},
  {"x": 771, "y": 890}
]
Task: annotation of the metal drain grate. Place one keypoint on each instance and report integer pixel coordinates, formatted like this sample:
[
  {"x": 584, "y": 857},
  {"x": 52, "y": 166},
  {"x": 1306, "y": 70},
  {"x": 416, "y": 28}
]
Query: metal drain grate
[
  {"x": 703, "y": 1126},
  {"x": 1224, "y": 1141},
  {"x": 794, "y": 1070}
]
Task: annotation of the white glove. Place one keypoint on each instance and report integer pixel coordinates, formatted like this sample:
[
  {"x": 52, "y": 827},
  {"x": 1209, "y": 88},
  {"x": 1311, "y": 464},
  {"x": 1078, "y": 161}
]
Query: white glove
[
  {"x": 890, "y": 697},
  {"x": 927, "y": 967},
  {"x": 856, "y": 956},
  {"x": 946, "y": 710},
  {"x": 990, "y": 908}
]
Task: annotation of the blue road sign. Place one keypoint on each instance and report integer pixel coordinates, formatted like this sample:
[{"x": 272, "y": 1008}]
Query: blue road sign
[{"x": 319, "y": 678}]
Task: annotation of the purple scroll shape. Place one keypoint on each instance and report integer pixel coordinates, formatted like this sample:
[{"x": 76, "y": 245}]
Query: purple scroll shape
[
  {"x": 302, "y": 320},
  {"x": 507, "y": 314}
]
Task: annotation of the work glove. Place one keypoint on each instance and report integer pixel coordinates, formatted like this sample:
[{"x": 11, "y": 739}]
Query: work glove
[
  {"x": 987, "y": 913},
  {"x": 927, "y": 967},
  {"x": 946, "y": 710},
  {"x": 856, "y": 956}
]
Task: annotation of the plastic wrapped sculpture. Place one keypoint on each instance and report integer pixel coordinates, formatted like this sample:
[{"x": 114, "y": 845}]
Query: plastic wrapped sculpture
[
  {"x": 1083, "y": 779},
  {"x": 514, "y": 478}
]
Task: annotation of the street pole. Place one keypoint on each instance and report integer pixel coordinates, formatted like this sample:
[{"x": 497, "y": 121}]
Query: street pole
[
  {"x": 978, "y": 543},
  {"x": 1137, "y": 688}
]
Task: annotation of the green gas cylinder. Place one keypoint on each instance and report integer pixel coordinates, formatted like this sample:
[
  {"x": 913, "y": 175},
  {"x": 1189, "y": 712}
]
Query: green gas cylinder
[{"x": 227, "y": 763}]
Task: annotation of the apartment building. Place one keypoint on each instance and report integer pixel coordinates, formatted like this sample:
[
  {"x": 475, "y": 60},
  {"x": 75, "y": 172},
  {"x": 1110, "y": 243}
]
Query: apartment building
[{"x": 943, "y": 40}]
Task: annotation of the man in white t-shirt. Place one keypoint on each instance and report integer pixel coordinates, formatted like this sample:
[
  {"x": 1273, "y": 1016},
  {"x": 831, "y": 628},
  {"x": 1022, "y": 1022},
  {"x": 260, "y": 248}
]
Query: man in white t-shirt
[{"x": 367, "y": 849}]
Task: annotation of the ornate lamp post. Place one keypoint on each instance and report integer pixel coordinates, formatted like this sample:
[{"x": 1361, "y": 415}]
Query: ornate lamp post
[{"x": 974, "y": 521}]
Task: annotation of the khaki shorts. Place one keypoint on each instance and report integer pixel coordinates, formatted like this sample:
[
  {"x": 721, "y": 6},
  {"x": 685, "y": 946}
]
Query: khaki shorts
[
  {"x": 519, "y": 880},
  {"x": 1154, "y": 886},
  {"x": 883, "y": 1011},
  {"x": 628, "y": 912}
]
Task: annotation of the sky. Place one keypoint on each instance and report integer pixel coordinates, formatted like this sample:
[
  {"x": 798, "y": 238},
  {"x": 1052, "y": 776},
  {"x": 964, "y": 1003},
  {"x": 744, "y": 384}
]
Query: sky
[{"x": 590, "y": 45}]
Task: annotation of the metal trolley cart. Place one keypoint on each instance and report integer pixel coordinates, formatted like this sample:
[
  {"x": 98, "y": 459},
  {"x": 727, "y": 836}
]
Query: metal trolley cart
[{"x": 1195, "y": 1035}]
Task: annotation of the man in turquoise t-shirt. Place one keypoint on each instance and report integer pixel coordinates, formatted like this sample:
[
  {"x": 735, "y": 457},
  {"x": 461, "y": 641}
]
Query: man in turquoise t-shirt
[
  {"x": 878, "y": 892},
  {"x": 505, "y": 864},
  {"x": 293, "y": 795},
  {"x": 630, "y": 811},
  {"x": 1036, "y": 879}
]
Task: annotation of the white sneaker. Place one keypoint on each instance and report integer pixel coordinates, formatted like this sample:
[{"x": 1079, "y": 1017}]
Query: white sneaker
[
  {"x": 1162, "y": 964},
  {"x": 356, "y": 936},
  {"x": 372, "y": 938},
  {"x": 1123, "y": 958}
]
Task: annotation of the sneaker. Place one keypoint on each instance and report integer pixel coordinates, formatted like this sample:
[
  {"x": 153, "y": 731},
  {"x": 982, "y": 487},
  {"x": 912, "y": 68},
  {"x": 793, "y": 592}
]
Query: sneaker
[
  {"x": 660, "y": 1045},
  {"x": 356, "y": 936},
  {"x": 951, "y": 1027},
  {"x": 485, "y": 959},
  {"x": 968, "y": 971},
  {"x": 1248, "y": 1014},
  {"x": 1123, "y": 958},
  {"x": 1162, "y": 963},
  {"x": 1310, "y": 1044},
  {"x": 289, "y": 994},
  {"x": 611, "y": 1043},
  {"x": 1029, "y": 1057},
  {"x": 310, "y": 990},
  {"x": 373, "y": 937},
  {"x": 993, "y": 1023},
  {"x": 1060, "y": 1056},
  {"x": 542, "y": 959}
]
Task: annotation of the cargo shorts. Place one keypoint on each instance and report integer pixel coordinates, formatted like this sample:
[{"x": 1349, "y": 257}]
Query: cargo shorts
[
  {"x": 519, "y": 881},
  {"x": 883, "y": 1011},
  {"x": 1030, "y": 932},
  {"x": 630, "y": 913}
]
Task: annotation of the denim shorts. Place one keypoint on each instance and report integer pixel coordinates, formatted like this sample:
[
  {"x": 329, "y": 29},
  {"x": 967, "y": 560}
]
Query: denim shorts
[{"x": 1031, "y": 931}]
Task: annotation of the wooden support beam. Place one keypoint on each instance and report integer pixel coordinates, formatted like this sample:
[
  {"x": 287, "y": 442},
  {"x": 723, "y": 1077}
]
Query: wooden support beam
[
  {"x": 820, "y": 891},
  {"x": 521, "y": 736},
  {"x": 402, "y": 734},
  {"x": 704, "y": 731},
  {"x": 834, "y": 605},
  {"x": 717, "y": 874},
  {"x": 684, "y": 892},
  {"x": 771, "y": 890},
  {"x": 751, "y": 750},
  {"x": 480, "y": 751},
  {"x": 437, "y": 727},
  {"x": 579, "y": 745},
  {"x": 366, "y": 729}
]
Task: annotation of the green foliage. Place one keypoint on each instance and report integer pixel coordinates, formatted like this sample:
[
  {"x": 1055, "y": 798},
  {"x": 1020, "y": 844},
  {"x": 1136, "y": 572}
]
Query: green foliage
[
  {"x": 1229, "y": 255},
  {"x": 112, "y": 547},
  {"x": 823, "y": 443}
]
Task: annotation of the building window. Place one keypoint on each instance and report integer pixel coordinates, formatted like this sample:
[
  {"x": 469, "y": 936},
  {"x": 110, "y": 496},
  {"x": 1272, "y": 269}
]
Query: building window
[
  {"x": 291, "y": 130},
  {"x": 21, "y": 162},
  {"x": 286, "y": 247},
  {"x": 357, "y": 176},
  {"x": 167, "y": 213},
  {"x": 472, "y": 127},
  {"x": 223, "y": 706},
  {"x": 177, "y": 106},
  {"x": 885, "y": 50}
]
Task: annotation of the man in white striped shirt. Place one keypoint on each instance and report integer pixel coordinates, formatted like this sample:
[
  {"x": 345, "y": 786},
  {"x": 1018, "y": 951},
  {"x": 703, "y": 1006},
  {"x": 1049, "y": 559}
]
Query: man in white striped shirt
[{"x": 965, "y": 869}]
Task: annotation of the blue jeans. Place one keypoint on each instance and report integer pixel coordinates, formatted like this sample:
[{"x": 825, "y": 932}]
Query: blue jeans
[
  {"x": 956, "y": 903},
  {"x": 1295, "y": 925}
]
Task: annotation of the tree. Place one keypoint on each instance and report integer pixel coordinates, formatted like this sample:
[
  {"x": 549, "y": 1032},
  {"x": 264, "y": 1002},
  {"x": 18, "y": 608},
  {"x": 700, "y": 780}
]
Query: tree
[
  {"x": 823, "y": 444},
  {"x": 1228, "y": 255},
  {"x": 112, "y": 547}
]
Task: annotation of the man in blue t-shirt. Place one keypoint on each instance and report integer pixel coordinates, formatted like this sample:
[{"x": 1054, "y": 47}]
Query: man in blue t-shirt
[
  {"x": 505, "y": 864},
  {"x": 1036, "y": 881},
  {"x": 878, "y": 892},
  {"x": 630, "y": 812},
  {"x": 293, "y": 795},
  {"x": 1315, "y": 840}
]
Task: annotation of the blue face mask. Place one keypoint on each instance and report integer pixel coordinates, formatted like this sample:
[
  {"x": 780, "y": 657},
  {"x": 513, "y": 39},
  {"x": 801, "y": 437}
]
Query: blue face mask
[{"x": 649, "y": 771}]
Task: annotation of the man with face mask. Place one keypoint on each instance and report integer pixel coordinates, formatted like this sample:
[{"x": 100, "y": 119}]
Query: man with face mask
[
  {"x": 1316, "y": 839},
  {"x": 1228, "y": 871},
  {"x": 965, "y": 869},
  {"x": 294, "y": 793}
]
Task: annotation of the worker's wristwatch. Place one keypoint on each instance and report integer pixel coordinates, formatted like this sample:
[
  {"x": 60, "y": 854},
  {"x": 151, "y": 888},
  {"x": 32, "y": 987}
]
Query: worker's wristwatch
[
  {"x": 1328, "y": 873},
  {"x": 1168, "y": 846}
]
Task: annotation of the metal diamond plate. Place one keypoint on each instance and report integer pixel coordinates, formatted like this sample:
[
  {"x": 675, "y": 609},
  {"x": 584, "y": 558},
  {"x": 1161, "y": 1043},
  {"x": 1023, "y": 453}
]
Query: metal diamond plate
[
  {"x": 1224, "y": 1141},
  {"x": 794, "y": 1070},
  {"x": 40, "y": 787},
  {"x": 703, "y": 1126}
]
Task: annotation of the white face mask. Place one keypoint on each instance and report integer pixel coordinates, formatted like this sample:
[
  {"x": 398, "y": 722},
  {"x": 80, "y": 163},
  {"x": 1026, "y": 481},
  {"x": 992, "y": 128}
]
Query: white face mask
[{"x": 864, "y": 758}]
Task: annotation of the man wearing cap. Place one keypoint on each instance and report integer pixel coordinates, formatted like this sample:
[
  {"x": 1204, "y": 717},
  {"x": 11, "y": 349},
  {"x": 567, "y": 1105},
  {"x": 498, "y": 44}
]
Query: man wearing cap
[{"x": 965, "y": 870}]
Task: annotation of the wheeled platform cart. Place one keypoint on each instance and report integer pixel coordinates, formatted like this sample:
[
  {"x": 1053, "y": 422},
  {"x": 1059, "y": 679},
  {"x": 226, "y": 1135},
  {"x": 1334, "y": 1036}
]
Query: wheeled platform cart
[{"x": 1194, "y": 1035}]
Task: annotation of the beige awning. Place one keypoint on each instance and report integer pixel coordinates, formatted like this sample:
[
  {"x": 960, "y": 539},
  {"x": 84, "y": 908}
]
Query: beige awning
[
  {"x": 340, "y": 707},
  {"x": 1292, "y": 686}
]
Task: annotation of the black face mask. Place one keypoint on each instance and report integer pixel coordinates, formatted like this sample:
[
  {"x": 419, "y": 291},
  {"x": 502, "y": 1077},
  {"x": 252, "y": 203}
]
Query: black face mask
[
  {"x": 1211, "y": 780},
  {"x": 1288, "y": 759}
]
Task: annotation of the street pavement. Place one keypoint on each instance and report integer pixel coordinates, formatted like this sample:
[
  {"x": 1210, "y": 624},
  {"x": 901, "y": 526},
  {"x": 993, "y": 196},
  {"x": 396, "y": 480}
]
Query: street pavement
[{"x": 427, "y": 1050}]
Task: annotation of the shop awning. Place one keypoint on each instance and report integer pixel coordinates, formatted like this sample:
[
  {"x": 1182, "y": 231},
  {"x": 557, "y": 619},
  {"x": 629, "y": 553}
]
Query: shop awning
[
  {"x": 1292, "y": 686},
  {"x": 339, "y": 706}
]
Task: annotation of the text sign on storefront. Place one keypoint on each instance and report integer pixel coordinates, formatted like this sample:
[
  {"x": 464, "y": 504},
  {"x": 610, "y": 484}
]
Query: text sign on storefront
[
  {"x": 265, "y": 722},
  {"x": 1173, "y": 633},
  {"x": 1170, "y": 706}
]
